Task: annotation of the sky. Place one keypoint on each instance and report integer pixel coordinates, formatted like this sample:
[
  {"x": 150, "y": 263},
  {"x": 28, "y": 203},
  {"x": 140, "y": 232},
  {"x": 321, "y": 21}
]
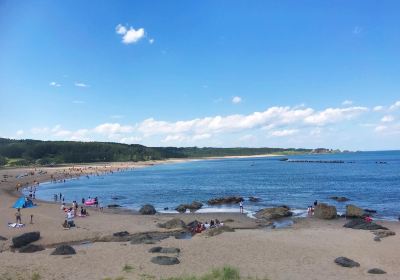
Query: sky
[{"x": 202, "y": 73}]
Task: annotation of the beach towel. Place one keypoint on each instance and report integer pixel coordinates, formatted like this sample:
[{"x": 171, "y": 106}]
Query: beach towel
[{"x": 15, "y": 225}]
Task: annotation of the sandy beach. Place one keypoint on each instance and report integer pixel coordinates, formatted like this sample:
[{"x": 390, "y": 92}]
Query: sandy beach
[{"x": 304, "y": 251}]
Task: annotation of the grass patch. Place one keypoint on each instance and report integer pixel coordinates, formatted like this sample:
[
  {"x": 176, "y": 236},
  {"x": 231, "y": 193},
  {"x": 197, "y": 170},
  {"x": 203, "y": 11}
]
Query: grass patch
[
  {"x": 127, "y": 268},
  {"x": 36, "y": 276},
  {"x": 225, "y": 273}
]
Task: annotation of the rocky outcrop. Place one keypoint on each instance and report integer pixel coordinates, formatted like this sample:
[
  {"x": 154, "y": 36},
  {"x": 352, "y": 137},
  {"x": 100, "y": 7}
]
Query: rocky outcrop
[
  {"x": 383, "y": 233},
  {"x": 25, "y": 239},
  {"x": 353, "y": 211},
  {"x": 225, "y": 200},
  {"x": 361, "y": 224},
  {"x": 64, "y": 250},
  {"x": 147, "y": 209},
  {"x": 113, "y": 206},
  {"x": 192, "y": 224},
  {"x": 370, "y": 211},
  {"x": 274, "y": 213},
  {"x": 193, "y": 207},
  {"x": 339, "y": 198},
  {"x": 346, "y": 262},
  {"x": 219, "y": 230},
  {"x": 121, "y": 234},
  {"x": 174, "y": 223},
  {"x": 164, "y": 260},
  {"x": 31, "y": 248},
  {"x": 164, "y": 250},
  {"x": 325, "y": 211},
  {"x": 254, "y": 199},
  {"x": 2, "y": 238},
  {"x": 376, "y": 271}
]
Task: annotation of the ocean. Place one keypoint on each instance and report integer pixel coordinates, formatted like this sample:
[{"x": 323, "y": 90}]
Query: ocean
[{"x": 369, "y": 179}]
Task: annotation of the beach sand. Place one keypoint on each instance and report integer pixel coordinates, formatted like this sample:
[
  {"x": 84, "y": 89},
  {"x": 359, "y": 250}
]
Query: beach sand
[{"x": 305, "y": 251}]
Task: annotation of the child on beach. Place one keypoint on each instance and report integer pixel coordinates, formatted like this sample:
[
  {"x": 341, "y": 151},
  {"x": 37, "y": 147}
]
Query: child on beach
[
  {"x": 18, "y": 216},
  {"x": 241, "y": 207}
]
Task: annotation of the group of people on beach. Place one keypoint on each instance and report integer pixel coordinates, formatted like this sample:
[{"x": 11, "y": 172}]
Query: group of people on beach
[{"x": 200, "y": 227}]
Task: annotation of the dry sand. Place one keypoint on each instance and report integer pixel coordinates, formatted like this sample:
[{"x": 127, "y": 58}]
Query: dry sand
[{"x": 305, "y": 251}]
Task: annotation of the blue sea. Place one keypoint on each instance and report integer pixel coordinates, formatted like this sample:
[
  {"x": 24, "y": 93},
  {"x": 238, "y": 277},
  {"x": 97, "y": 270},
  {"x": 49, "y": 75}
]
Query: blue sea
[{"x": 369, "y": 179}]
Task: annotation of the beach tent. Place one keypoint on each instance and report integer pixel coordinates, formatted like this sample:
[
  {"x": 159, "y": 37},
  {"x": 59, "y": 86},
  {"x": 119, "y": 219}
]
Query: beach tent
[{"x": 22, "y": 203}]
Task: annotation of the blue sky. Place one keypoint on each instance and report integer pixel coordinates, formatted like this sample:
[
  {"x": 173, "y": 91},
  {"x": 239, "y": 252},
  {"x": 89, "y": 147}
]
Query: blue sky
[{"x": 202, "y": 73}]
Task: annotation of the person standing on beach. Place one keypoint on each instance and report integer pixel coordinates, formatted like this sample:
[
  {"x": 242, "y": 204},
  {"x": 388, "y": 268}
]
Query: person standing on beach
[
  {"x": 241, "y": 207},
  {"x": 18, "y": 216}
]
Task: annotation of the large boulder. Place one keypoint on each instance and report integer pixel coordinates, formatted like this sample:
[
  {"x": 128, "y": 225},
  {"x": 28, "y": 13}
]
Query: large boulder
[
  {"x": 361, "y": 224},
  {"x": 64, "y": 250},
  {"x": 174, "y": 223},
  {"x": 274, "y": 213},
  {"x": 346, "y": 262},
  {"x": 339, "y": 198},
  {"x": 225, "y": 200},
  {"x": 121, "y": 234},
  {"x": 353, "y": 211},
  {"x": 2, "y": 238},
  {"x": 31, "y": 248},
  {"x": 325, "y": 211},
  {"x": 193, "y": 207},
  {"x": 25, "y": 239},
  {"x": 147, "y": 209},
  {"x": 380, "y": 233},
  {"x": 164, "y": 260}
]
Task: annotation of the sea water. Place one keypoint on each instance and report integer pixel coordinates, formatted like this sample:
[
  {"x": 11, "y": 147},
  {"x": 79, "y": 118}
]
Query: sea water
[{"x": 369, "y": 179}]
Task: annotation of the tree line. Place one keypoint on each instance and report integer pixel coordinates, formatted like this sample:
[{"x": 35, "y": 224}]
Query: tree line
[{"x": 29, "y": 152}]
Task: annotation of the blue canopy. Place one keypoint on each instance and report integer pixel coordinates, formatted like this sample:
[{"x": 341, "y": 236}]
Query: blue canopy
[{"x": 23, "y": 203}]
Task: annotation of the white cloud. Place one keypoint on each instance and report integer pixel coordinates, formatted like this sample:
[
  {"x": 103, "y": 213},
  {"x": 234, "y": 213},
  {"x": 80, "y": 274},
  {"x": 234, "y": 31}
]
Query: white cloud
[
  {"x": 151, "y": 40},
  {"x": 284, "y": 132},
  {"x": 54, "y": 84},
  {"x": 130, "y": 35},
  {"x": 78, "y": 84},
  {"x": 378, "y": 108},
  {"x": 380, "y": 128},
  {"x": 20, "y": 132},
  {"x": 333, "y": 115},
  {"x": 201, "y": 136},
  {"x": 236, "y": 100},
  {"x": 387, "y": 118},
  {"x": 395, "y": 106},
  {"x": 130, "y": 140},
  {"x": 113, "y": 128},
  {"x": 347, "y": 103}
]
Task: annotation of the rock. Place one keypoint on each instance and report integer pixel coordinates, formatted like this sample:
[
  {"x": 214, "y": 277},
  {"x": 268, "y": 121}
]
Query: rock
[
  {"x": 31, "y": 248},
  {"x": 361, "y": 224},
  {"x": 147, "y": 210},
  {"x": 113, "y": 206},
  {"x": 64, "y": 250},
  {"x": 140, "y": 239},
  {"x": 25, "y": 239},
  {"x": 193, "y": 224},
  {"x": 225, "y": 200},
  {"x": 273, "y": 213},
  {"x": 174, "y": 223},
  {"x": 2, "y": 238},
  {"x": 353, "y": 211},
  {"x": 166, "y": 208},
  {"x": 117, "y": 197},
  {"x": 121, "y": 234},
  {"x": 376, "y": 238},
  {"x": 325, "y": 211},
  {"x": 193, "y": 207},
  {"x": 376, "y": 271},
  {"x": 371, "y": 211},
  {"x": 155, "y": 250},
  {"x": 346, "y": 262},
  {"x": 383, "y": 233},
  {"x": 219, "y": 230},
  {"x": 254, "y": 199},
  {"x": 339, "y": 198},
  {"x": 165, "y": 250},
  {"x": 164, "y": 260}
]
